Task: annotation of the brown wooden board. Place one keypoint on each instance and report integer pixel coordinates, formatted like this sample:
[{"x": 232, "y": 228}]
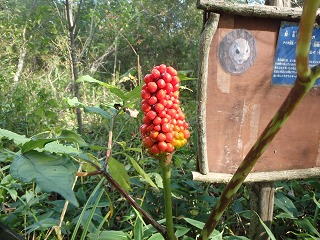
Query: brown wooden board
[{"x": 240, "y": 105}]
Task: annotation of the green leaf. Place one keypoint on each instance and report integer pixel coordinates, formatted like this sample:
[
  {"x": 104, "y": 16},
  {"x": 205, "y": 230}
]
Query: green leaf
[
  {"x": 13, "y": 193},
  {"x": 181, "y": 231},
  {"x": 194, "y": 223},
  {"x": 74, "y": 102},
  {"x": 306, "y": 224},
  {"x": 270, "y": 234},
  {"x": 65, "y": 136},
  {"x": 110, "y": 235},
  {"x": 98, "y": 110},
  {"x": 142, "y": 173},
  {"x": 17, "y": 138},
  {"x": 183, "y": 75},
  {"x": 113, "y": 89},
  {"x": 134, "y": 94},
  {"x": 156, "y": 236},
  {"x": 214, "y": 235},
  {"x": 157, "y": 179},
  {"x": 286, "y": 205},
  {"x": 315, "y": 200},
  {"x": 235, "y": 238},
  {"x": 118, "y": 172},
  {"x": 33, "y": 144},
  {"x": 138, "y": 230},
  {"x": 55, "y": 147},
  {"x": 85, "y": 213},
  {"x": 72, "y": 137},
  {"x": 45, "y": 223},
  {"x": 92, "y": 212},
  {"x": 52, "y": 173}
]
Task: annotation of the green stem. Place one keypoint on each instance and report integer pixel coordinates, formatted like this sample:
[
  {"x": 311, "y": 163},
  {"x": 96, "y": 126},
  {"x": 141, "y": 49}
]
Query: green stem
[{"x": 165, "y": 164}]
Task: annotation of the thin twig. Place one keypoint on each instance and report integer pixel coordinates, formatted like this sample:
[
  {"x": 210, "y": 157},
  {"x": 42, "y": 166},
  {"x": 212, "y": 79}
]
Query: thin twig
[{"x": 109, "y": 152}]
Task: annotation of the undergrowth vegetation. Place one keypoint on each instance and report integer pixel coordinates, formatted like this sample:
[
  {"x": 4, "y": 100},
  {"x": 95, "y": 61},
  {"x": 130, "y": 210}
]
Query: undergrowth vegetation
[{"x": 38, "y": 123}]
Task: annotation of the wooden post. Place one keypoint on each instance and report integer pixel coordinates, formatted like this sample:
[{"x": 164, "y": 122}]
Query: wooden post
[{"x": 261, "y": 203}]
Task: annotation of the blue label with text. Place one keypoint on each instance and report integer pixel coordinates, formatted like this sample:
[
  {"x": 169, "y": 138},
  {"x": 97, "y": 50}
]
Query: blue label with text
[{"x": 284, "y": 69}]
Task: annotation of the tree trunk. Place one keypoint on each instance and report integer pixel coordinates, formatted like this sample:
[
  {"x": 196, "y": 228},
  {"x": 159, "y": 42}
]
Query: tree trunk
[
  {"x": 73, "y": 56},
  {"x": 22, "y": 56},
  {"x": 278, "y": 3},
  {"x": 261, "y": 203}
]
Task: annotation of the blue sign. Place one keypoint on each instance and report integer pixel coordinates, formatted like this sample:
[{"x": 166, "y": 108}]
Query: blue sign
[{"x": 284, "y": 70}]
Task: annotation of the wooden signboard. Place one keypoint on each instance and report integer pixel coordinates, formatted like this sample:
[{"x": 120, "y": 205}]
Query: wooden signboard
[{"x": 241, "y": 88}]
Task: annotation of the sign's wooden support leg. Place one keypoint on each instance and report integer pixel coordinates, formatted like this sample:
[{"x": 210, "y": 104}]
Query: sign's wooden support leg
[{"x": 261, "y": 203}]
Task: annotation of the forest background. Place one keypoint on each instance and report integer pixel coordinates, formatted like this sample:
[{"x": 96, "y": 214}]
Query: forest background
[{"x": 45, "y": 48}]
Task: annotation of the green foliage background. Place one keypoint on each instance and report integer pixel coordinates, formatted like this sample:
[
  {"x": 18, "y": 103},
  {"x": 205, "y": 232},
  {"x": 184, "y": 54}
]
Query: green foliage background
[{"x": 117, "y": 42}]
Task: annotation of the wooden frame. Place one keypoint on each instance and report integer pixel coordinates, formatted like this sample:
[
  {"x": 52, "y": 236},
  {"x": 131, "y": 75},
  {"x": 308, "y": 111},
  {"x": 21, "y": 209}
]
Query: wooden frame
[{"x": 212, "y": 20}]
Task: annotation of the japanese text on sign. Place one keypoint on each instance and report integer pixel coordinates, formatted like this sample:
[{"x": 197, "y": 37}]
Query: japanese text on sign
[{"x": 284, "y": 69}]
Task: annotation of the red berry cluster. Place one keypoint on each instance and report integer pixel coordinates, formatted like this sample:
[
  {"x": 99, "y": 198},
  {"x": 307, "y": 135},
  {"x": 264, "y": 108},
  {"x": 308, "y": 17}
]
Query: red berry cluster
[{"x": 164, "y": 127}]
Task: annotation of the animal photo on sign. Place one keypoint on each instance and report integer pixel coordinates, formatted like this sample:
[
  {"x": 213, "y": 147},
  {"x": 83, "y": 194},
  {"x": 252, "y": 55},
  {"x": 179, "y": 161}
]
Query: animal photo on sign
[{"x": 237, "y": 51}]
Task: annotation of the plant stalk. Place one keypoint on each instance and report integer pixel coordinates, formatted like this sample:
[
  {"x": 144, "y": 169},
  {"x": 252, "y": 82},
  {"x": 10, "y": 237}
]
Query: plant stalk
[{"x": 165, "y": 165}]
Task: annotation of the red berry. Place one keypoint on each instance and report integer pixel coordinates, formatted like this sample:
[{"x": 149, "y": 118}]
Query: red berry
[
  {"x": 146, "y": 120},
  {"x": 161, "y": 94},
  {"x": 146, "y": 107},
  {"x": 143, "y": 128},
  {"x": 148, "y": 78},
  {"x": 176, "y": 101},
  {"x": 161, "y": 137},
  {"x": 153, "y": 100},
  {"x": 157, "y": 128},
  {"x": 186, "y": 134},
  {"x": 152, "y": 86},
  {"x": 165, "y": 127},
  {"x": 169, "y": 88},
  {"x": 175, "y": 106},
  {"x": 147, "y": 142},
  {"x": 159, "y": 107},
  {"x": 167, "y": 77},
  {"x": 164, "y": 120},
  {"x": 157, "y": 120},
  {"x": 154, "y": 134},
  {"x": 180, "y": 122},
  {"x": 175, "y": 80},
  {"x": 172, "y": 112},
  {"x": 162, "y": 114},
  {"x": 162, "y": 146},
  {"x": 169, "y": 104},
  {"x": 176, "y": 87},
  {"x": 170, "y": 148},
  {"x": 154, "y": 149},
  {"x": 145, "y": 94},
  {"x": 151, "y": 115},
  {"x": 144, "y": 87},
  {"x": 172, "y": 71},
  {"x": 162, "y": 68},
  {"x": 181, "y": 115},
  {"x": 155, "y": 73},
  {"x": 161, "y": 83},
  {"x": 169, "y": 136},
  {"x": 150, "y": 127}
]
